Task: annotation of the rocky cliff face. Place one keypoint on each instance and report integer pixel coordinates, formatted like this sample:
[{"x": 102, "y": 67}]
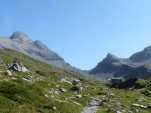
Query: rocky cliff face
[
  {"x": 137, "y": 65},
  {"x": 22, "y": 43},
  {"x": 142, "y": 57}
]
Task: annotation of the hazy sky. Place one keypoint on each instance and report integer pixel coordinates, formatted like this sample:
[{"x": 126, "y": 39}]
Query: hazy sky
[{"x": 81, "y": 31}]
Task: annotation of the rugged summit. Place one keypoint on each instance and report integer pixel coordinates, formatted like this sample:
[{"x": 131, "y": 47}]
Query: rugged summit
[
  {"x": 20, "y": 37},
  {"x": 22, "y": 43},
  {"x": 108, "y": 63},
  {"x": 137, "y": 65}
]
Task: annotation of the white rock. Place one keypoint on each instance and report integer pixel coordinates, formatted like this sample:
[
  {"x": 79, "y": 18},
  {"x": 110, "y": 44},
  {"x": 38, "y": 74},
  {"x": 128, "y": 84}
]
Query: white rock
[
  {"x": 14, "y": 78},
  {"x": 46, "y": 95},
  {"x": 24, "y": 69},
  {"x": 77, "y": 103},
  {"x": 26, "y": 79},
  {"x": 139, "y": 105},
  {"x": 63, "y": 90},
  {"x": 54, "y": 108},
  {"x": 9, "y": 72},
  {"x": 63, "y": 80},
  {"x": 118, "y": 112},
  {"x": 79, "y": 96}
]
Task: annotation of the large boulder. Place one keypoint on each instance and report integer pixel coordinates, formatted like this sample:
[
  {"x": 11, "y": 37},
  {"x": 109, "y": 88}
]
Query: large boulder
[{"x": 17, "y": 66}]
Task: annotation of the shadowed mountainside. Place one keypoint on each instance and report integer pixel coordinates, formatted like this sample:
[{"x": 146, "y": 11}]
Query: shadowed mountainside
[{"x": 137, "y": 65}]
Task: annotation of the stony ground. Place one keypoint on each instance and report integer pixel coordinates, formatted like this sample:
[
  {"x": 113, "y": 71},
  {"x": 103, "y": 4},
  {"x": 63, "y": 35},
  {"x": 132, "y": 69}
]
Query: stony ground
[
  {"x": 46, "y": 89},
  {"x": 93, "y": 106}
]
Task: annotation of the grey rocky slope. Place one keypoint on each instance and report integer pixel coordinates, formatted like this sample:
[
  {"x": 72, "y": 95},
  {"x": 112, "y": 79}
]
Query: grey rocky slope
[
  {"x": 137, "y": 65},
  {"x": 142, "y": 57},
  {"x": 22, "y": 43}
]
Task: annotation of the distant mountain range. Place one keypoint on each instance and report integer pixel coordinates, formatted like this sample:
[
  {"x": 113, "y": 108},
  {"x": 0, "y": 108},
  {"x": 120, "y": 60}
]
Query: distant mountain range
[
  {"x": 137, "y": 65},
  {"x": 22, "y": 43}
]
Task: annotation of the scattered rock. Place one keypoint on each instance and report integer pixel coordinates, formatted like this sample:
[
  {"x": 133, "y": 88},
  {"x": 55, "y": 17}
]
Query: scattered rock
[
  {"x": 56, "y": 92},
  {"x": 118, "y": 112},
  {"x": 61, "y": 101},
  {"x": 28, "y": 78},
  {"x": 54, "y": 108},
  {"x": 17, "y": 66},
  {"x": 140, "y": 106},
  {"x": 63, "y": 90},
  {"x": 77, "y": 103},
  {"x": 13, "y": 78},
  {"x": 46, "y": 96},
  {"x": 93, "y": 105},
  {"x": 96, "y": 102},
  {"x": 141, "y": 99},
  {"x": 9, "y": 73},
  {"x": 53, "y": 91},
  {"x": 78, "y": 96},
  {"x": 75, "y": 81},
  {"x": 63, "y": 80},
  {"x": 112, "y": 94}
]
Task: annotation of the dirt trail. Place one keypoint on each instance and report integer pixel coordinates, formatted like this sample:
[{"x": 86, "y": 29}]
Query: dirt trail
[{"x": 93, "y": 105}]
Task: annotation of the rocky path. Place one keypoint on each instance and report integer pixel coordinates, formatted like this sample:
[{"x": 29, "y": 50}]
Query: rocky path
[{"x": 93, "y": 105}]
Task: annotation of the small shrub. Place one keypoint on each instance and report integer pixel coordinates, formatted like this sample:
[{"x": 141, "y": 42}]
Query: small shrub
[{"x": 140, "y": 84}]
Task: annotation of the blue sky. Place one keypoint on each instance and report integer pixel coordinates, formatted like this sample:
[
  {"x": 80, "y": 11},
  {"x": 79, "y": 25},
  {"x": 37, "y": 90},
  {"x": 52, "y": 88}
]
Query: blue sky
[{"x": 81, "y": 31}]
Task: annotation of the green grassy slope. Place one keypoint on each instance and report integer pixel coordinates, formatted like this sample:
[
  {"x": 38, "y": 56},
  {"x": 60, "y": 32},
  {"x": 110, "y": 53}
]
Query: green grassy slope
[
  {"x": 38, "y": 91},
  {"x": 137, "y": 99}
]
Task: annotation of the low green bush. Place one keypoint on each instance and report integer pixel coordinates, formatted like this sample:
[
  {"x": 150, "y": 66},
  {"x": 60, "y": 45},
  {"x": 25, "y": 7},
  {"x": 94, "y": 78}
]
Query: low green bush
[{"x": 140, "y": 84}]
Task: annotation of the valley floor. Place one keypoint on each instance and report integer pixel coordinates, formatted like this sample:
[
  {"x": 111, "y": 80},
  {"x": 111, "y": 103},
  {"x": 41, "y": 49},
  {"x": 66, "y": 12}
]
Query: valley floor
[
  {"x": 93, "y": 106},
  {"x": 46, "y": 89},
  {"x": 125, "y": 101}
]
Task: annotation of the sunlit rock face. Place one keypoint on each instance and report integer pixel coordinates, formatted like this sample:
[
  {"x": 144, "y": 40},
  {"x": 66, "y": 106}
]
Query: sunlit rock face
[{"x": 21, "y": 42}]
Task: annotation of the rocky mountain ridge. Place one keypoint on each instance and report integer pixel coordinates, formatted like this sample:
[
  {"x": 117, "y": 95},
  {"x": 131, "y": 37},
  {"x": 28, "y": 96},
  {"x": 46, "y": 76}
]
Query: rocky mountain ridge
[
  {"x": 36, "y": 49},
  {"x": 137, "y": 65}
]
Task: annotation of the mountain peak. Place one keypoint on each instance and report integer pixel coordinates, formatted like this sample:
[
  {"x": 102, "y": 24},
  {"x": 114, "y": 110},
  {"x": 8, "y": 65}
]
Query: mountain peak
[
  {"x": 20, "y": 37},
  {"x": 111, "y": 57}
]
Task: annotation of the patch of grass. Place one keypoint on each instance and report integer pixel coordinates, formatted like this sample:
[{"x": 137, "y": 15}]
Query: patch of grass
[{"x": 21, "y": 96}]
